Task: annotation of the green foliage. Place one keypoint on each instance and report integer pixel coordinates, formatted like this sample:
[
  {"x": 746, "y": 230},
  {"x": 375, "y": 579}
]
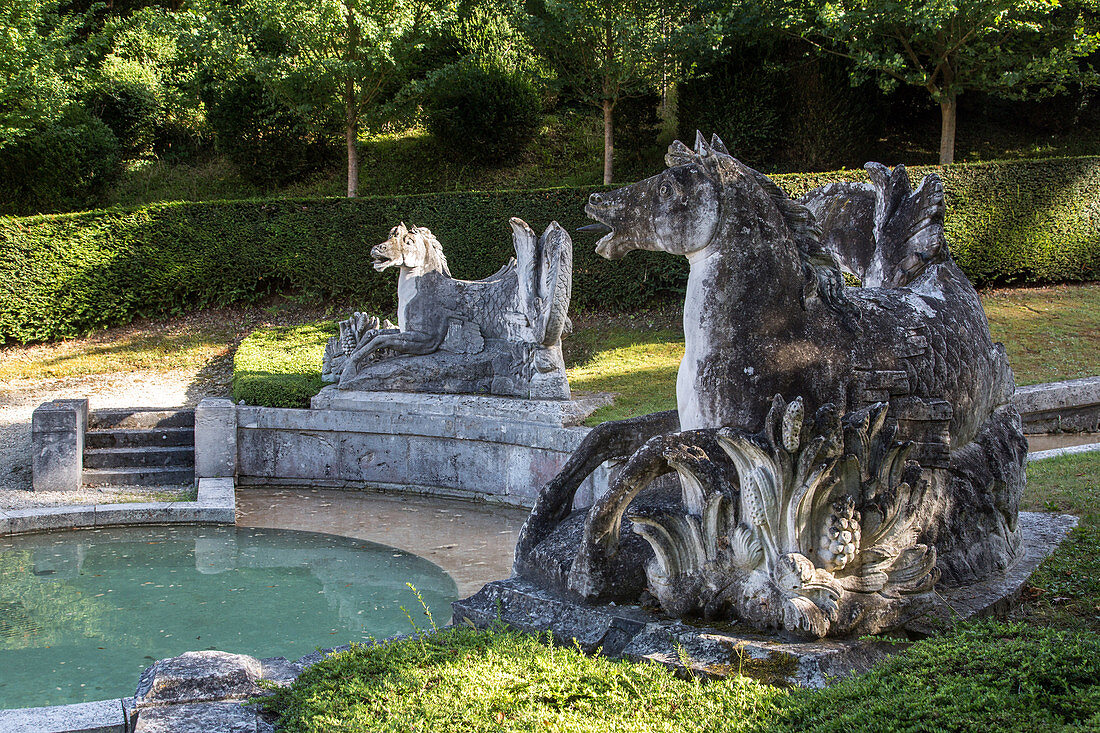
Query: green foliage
[
  {"x": 481, "y": 112},
  {"x": 270, "y": 142},
  {"x": 464, "y": 680},
  {"x": 40, "y": 66},
  {"x": 601, "y": 51},
  {"x": 65, "y": 164},
  {"x": 127, "y": 98},
  {"x": 986, "y": 678},
  {"x": 1014, "y": 48},
  {"x": 281, "y": 367},
  {"x": 67, "y": 274}
]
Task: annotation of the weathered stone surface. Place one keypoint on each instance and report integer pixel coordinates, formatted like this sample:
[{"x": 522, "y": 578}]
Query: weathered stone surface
[
  {"x": 197, "y": 677},
  {"x": 215, "y": 439},
  {"x": 500, "y": 335},
  {"x": 205, "y": 717},
  {"x": 629, "y": 632},
  {"x": 839, "y": 449},
  {"x": 1069, "y": 406},
  {"x": 103, "y": 716},
  {"x": 632, "y": 632},
  {"x": 57, "y": 445},
  {"x": 460, "y": 445}
]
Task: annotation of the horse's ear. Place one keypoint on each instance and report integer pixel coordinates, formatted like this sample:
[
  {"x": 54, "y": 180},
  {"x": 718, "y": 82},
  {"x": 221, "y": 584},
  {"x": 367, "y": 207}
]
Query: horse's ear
[
  {"x": 401, "y": 229},
  {"x": 717, "y": 144}
]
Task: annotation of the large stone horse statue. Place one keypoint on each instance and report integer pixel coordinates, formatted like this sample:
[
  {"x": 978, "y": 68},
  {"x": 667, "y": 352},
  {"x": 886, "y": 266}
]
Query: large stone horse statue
[{"x": 839, "y": 449}]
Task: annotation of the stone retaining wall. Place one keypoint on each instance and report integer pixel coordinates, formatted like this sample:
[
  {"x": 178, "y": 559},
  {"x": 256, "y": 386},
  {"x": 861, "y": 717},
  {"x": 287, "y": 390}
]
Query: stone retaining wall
[{"x": 465, "y": 446}]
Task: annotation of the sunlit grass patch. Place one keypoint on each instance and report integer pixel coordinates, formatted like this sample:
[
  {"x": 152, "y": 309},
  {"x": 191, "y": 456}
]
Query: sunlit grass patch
[
  {"x": 166, "y": 346},
  {"x": 1050, "y": 333}
]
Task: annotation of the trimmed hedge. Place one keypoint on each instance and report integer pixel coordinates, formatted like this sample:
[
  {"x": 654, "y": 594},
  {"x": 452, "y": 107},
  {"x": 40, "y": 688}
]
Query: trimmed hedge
[
  {"x": 281, "y": 366},
  {"x": 67, "y": 274}
]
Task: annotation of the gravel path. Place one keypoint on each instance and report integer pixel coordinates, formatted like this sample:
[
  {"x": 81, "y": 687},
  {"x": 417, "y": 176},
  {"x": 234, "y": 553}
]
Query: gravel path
[{"x": 19, "y": 398}]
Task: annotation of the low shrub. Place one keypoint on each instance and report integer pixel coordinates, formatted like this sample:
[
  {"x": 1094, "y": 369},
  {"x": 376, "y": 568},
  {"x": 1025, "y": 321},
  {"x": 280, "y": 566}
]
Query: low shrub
[
  {"x": 58, "y": 167},
  {"x": 281, "y": 367},
  {"x": 482, "y": 112},
  {"x": 269, "y": 141},
  {"x": 1026, "y": 221}
]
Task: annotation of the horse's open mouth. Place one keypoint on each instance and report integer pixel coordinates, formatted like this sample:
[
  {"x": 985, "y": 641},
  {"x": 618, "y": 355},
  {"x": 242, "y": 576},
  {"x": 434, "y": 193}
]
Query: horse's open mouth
[
  {"x": 603, "y": 246},
  {"x": 381, "y": 260}
]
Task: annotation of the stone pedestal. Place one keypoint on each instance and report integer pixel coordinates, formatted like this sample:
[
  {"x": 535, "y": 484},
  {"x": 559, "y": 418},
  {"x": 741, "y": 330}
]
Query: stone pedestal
[
  {"x": 466, "y": 446},
  {"x": 57, "y": 443},
  {"x": 215, "y": 439},
  {"x": 723, "y": 649}
]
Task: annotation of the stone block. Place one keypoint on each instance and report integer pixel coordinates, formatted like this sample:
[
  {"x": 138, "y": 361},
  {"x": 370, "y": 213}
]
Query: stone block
[
  {"x": 215, "y": 439},
  {"x": 102, "y": 716},
  {"x": 216, "y": 492},
  {"x": 57, "y": 445},
  {"x": 206, "y": 717},
  {"x": 198, "y": 677}
]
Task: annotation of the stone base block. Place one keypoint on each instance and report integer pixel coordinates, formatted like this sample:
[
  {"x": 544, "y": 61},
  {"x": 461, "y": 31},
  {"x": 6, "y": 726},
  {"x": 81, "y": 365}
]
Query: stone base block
[
  {"x": 557, "y": 413},
  {"x": 491, "y": 448},
  {"x": 631, "y": 632}
]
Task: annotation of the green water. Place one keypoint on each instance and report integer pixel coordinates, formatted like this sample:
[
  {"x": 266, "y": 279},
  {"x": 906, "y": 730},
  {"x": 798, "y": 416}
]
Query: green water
[{"x": 83, "y": 613}]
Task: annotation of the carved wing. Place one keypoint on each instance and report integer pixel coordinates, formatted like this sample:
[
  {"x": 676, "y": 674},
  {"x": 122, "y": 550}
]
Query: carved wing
[
  {"x": 883, "y": 232},
  {"x": 526, "y": 244}
]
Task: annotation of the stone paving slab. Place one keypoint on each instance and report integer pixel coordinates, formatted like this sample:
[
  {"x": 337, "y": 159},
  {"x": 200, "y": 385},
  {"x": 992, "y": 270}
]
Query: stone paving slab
[
  {"x": 205, "y": 717},
  {"x": 103, "y": 716}
]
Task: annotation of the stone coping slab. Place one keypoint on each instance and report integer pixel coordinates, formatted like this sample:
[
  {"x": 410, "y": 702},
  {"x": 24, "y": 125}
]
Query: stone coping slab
[
  {"x": 630, "y": 632},
  {"x": 216, "y": 504},
  {"x": 553, "y": 413},
  {"x": 101, "y": 716},
  {"x": 1072, "y": 406}
]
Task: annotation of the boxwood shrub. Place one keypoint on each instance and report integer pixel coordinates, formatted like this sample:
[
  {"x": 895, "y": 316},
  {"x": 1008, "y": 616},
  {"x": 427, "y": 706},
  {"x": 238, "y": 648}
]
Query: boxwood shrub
[
  {"x": 63, "y": 275},
  {"x": 281, "y": 366}
]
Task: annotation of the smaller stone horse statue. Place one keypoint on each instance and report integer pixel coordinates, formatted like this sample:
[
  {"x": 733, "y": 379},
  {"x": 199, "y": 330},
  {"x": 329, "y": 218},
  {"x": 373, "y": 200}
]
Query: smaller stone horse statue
[{"x": 500, "y": 335}]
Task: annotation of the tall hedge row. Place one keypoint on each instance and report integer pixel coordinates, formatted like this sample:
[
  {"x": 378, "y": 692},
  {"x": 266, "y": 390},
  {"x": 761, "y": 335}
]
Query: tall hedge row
[{"x": 64, "y": 275}]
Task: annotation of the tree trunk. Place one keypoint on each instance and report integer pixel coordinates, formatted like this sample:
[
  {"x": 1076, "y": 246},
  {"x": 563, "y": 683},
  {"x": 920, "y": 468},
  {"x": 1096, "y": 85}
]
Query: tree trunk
[
  {"x": 608, "y": 140},
  {"x": 948, "y": 110},
  {"x": 351, "y": 130}
]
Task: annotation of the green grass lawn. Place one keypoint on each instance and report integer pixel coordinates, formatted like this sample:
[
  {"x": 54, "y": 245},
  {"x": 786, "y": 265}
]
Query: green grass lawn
[{"x": 1038, "y": 672}]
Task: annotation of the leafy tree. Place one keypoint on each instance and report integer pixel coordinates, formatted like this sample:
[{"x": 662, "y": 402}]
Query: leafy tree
[
  {"x": 1012, "y": 48},
  {"x": 348, "y": 51},
  {"x": 605, "y": 50},
  {"x": 40, "y": 65}
]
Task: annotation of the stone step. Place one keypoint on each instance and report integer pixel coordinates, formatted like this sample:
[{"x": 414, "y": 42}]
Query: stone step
[
  {"x": 141, "y": 417},
  {"x": 136, "y": 437},
  {"x": 174, "y": 456},
  {"x": 138, "y": 476}
]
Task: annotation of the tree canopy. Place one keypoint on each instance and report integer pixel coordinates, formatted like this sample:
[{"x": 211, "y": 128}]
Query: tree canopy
[{"x": 1012, "y": 48}]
